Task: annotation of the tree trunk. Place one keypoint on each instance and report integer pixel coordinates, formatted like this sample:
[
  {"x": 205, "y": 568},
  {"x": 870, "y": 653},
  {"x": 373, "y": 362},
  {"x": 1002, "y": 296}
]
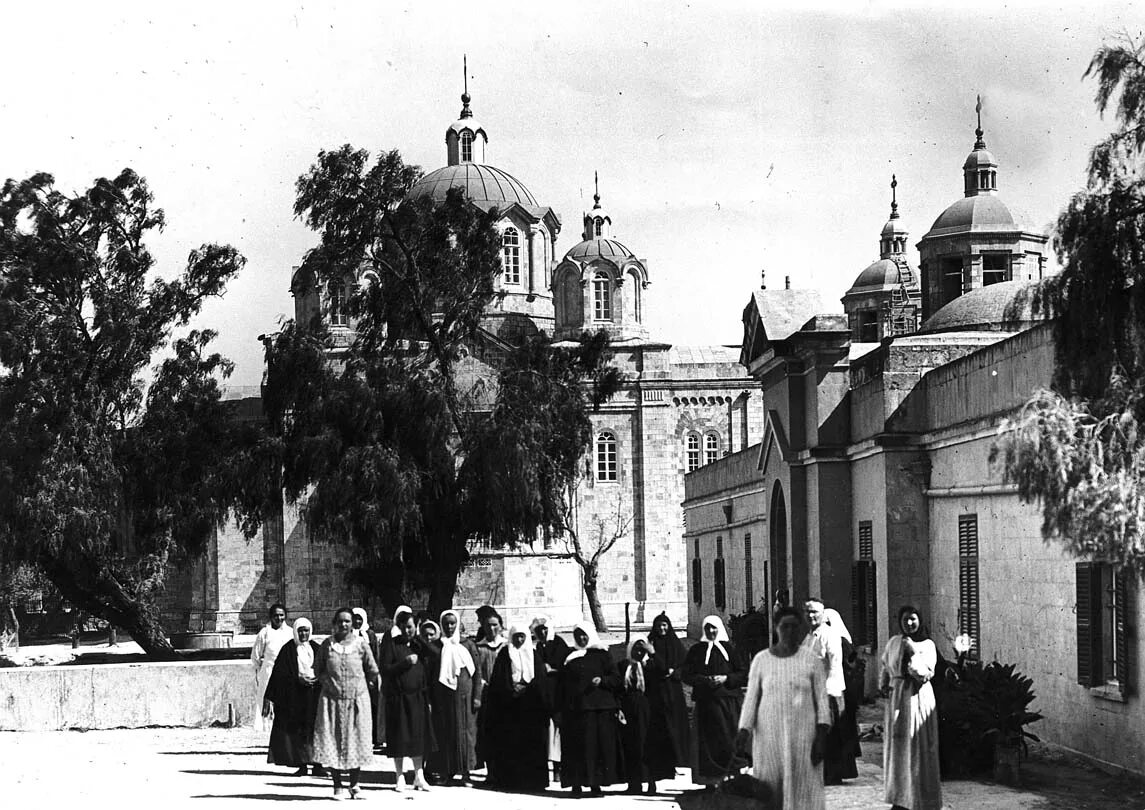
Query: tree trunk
[
  {"x": 443, "y": 588},
  {"x": 593, "y": 598}
]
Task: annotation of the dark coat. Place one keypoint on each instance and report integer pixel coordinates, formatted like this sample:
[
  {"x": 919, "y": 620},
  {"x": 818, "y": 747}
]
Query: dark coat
[
  {"x": 409, "y": 732},
  {"x": 295, "y": 704},
  {"x": 518, "y": 727}
]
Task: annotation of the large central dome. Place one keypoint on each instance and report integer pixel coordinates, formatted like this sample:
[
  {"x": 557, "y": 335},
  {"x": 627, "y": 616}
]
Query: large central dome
[
  {"x": 983, "y": 212},
  {"x": 479, "y": 183}
]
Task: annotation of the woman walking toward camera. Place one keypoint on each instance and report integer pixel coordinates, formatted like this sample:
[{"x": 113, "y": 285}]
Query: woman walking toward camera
[
  {"x": 409, "y": 734},
  {"x": 910, "y": 750},
  {"x": 451, "y": 690},
  {"x": 586, "y": 700},
  {"x": 293, "y": 691},
  {"x": 668, "y": 699},
  {"x": 518, "y": 717},
  {"x": 344, "y": 666},
  {"x": 786, "y": 716},
  {"x": 716, "y": 673}
]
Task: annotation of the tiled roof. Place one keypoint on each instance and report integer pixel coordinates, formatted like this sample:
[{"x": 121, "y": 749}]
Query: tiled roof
[
  {"x": 480, "y": 184},
  {"x": 591, "y": 249}
]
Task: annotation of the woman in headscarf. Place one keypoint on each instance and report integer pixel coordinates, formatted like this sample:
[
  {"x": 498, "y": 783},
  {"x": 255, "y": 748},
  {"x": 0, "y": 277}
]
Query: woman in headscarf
[
  {"x": 489, "y": 643},
  {"x": 554, "y": 650},
  {"x": 409, "y": 733},
  {"x": 293, "y": 689},
  {"x": 846, "y": 728},
  {"x": 669, "y": 702},
  {"x": 361, "y": 627},
  {"x": 716, "y": 673},
  {"x": 910, "y": 736},
  {"x": 451, "y": 691},
  {"x": 587, "y": 701},
  {"x": 344, "y": 666},
  {"x": 518, "y": 721},
  {"x": 786, "y": 715}
]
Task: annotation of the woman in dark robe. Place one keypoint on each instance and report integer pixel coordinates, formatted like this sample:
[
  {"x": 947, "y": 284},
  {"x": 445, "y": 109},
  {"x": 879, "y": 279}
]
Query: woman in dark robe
[
  {"x": 553, "y": 652},
  {"x": 670, "y": 653},
  {"x": 451, "y": 690},
  {"x": 293, "y": 690},
  {"x": 488, "y": 646},
  {"x": 847, "y": 724},
  {"x": 409, "y": 732},
  {"x": 518, "y": 729},
  {"x": 648, "y": 751},
  {"x": 717, "y": 675},
  {"x": 587, "y": 701}
]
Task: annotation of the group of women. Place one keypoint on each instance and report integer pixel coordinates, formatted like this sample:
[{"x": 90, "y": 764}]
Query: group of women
[{"x": 515, "y": 702}]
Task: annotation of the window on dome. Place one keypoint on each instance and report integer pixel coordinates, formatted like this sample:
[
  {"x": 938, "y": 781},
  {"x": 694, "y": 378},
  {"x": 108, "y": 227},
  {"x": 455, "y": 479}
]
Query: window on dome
[
  {"x": 511, "y": 256},
  {"x": 868, "y": 326},
  {"x": 602, "y": 297},
  {"x": 711, "y": 448},
  {"x": 993, "y": 268},
  {"x": 336, "y": 291},
  {"x": 598, "y": 227},
  {"x": 692, "y": 453},
  {"x": 951, "y": 280},
  {"x": 466, "y": 146},
  {"x": 606, "y": 456}
]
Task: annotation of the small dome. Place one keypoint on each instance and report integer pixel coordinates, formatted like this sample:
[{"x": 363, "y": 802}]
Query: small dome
[
  {"x": 883, "y": 274},
  {"x": 466, "y": 123},
  {"x": 981, "y": 211},
  {"x": 591, "y": 249},
  {"x": 1004, "y": 307},
  {"x": 979, "y": 158},
  {"x": 480, "y": 184},
  {"x": 894, "y": 227}
]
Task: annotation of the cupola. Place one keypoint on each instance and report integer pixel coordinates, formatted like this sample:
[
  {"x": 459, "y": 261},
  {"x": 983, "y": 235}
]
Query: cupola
[
  {"x": 980, "y": 171},
  {"x": 465, "y": 139}
]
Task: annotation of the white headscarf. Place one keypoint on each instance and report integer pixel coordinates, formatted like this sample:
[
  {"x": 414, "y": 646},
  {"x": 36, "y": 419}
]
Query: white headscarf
[
  {"x": 304, "y": 650},
  {"x": 634, "y": 674},
  {"x": 721, "y": 636},
  {"x": 365, "y": 628},
  {"x": 395, "y": 631},
  {"x": 521, "y": 658},
  {"x": 832, "y": 617},
  {"x": 593, "y": 643},
  {"x": 454, "y": 656}
]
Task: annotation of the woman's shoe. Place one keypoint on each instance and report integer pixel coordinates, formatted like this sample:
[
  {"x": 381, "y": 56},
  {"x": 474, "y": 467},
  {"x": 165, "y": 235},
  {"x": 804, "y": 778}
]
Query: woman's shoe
[
  {"x": 320, "y": 771},
  {"x": 400, "y": 785},
  {"x": 651, "y": 788},
  {"x": 419, "y": 783},
  {"x": 300, "y": 772},
  {"x": 355, "y": 792},
  {"x": 339, "y": 794}
]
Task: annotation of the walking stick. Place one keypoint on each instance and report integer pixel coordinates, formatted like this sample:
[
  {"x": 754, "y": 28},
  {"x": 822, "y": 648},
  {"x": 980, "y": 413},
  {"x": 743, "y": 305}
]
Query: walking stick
[{"x": 627, "y": 625}]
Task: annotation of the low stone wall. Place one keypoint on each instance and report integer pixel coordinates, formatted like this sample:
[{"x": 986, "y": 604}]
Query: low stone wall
[{"x": 126, "y": 695}]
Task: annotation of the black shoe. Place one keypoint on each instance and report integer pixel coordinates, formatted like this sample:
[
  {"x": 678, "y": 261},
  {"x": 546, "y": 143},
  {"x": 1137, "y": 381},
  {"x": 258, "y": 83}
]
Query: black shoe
[
  {"x": 596, "y": 791},
  {"x": 651, "y": 789},
  {"x": 320, "y": 771},
  {"x": 300, "y": 772}
]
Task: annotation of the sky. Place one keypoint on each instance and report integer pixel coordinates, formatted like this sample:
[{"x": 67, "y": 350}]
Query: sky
[{"x": 730, "y": 138}]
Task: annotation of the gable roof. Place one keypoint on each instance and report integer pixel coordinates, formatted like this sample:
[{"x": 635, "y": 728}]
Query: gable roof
[{"x": 774, "y": 315}]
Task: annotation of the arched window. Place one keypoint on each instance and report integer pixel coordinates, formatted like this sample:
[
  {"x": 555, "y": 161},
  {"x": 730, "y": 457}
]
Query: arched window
[
  {"x": 606, "y": 456},
  {"x": 711, "y": 448},
  {"x": 601, "y": 297},
  {"x": 466, "y": 146},
  {"x": 598, "y": 227},
  {"x": 511, "y": 256},
  {"x": 337, "y": 294},
  {"x": 692, "y": 452}
]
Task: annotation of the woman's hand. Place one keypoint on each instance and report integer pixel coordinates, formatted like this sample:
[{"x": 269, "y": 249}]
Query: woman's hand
[
  {"x": 719, "y": 680},
  {"x": 596, "y": 681},
  {"x": 819, "y": 746},
  {"x": 306, "y": 680},
  {"x": 411, "y": 659}
]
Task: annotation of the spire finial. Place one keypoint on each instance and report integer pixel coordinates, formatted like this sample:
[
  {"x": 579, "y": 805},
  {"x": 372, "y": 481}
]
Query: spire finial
[
  {"x": 763, "y": 279},
  {"x": 465, "y": 111},
  {"x": 596, "y": 189},
  {"x": 979, "y": 143},
  {"x": 894, "y": 198}
]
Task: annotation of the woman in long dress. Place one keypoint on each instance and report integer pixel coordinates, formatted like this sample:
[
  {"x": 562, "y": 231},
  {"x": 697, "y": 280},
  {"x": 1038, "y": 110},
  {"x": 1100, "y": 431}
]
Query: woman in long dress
[
  {"x": 361, "y": 627},
  {"x": 409, "y": 733},
  {"x": 786, "y": 713},
  {"x": 344, "y": 667},
  {"x": 670, "y": 653},
  {"x": 716, "y": 673},
  {"x": 489, "y": 643},
  {"x": 847, "y": 724},
  {"x": 910, "y": 748},
  {"x": 553, "y": 651},
  {"x": 263, "y": 652},
  {"x": 451, "y": 691},
  {"x": 587, "y": 702},
  {"x": 648, "y": 754},
  {"x": 293, "y": 690},
  {"x": 518, "y": 720}
]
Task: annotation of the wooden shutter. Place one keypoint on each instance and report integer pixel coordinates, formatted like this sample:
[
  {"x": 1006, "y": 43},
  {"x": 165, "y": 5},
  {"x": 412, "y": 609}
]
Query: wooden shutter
[
  {"x": 697, "y": 581},
  {"x": 720, "y": 584},
  {"x": 1121, "y": 628},
  {"x": 1088, "y": 624},
  {"x": 749, "y": 594},
  {"x": 863, "y": 602},
  {"x": 968, "y": 595}
]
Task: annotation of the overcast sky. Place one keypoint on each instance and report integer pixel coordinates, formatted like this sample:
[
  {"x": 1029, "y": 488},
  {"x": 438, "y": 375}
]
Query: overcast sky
[{"x": 729, "y": 138}]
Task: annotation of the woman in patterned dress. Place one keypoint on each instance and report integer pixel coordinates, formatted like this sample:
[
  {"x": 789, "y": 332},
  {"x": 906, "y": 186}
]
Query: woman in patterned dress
[
  {"x": 786, "y": 715},
  {"x": 343, "y": 722}
]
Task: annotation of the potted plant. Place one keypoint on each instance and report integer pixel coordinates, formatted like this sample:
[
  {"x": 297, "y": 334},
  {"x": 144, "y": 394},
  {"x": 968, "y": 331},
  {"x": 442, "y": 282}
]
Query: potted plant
[{"x": 999, "y": 704}]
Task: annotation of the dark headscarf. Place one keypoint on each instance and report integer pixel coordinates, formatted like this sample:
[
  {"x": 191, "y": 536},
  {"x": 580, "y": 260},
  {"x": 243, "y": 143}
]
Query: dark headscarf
[
  {"x": 922, "y": 634},
  {"x": 669, "y": 650}
]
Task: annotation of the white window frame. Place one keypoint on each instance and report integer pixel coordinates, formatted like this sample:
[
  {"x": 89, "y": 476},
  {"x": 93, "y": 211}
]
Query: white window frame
[{"x": 511, "y": 255}]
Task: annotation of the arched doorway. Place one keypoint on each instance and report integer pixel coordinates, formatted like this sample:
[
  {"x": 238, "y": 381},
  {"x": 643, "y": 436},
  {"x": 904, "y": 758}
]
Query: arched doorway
[{"x": 777, "y": 522}]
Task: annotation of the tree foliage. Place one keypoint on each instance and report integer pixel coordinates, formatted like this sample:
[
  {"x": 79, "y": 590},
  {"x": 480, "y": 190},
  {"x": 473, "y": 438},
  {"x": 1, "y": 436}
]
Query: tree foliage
[
  {"x": 1078, "y": 449},
  {"x": 102, "y": 479},
  {"x": 389, "y": 434}
]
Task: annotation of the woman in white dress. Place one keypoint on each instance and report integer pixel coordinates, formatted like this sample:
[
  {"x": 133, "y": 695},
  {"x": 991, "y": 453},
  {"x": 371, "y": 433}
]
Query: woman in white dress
[
  {"x": 910, "y": 747},
  {"x": 786, "y": 716},
  {"x": 263, "y": 653}
]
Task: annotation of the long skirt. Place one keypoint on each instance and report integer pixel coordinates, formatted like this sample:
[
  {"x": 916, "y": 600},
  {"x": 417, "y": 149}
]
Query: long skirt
[
  {"x": 676, "y": 715},
  {"x": 717, "y": 723},
  {"x": 292, "y": 734},
  {"x": 261, "y": 679},
  {"x": 453, "y": 726},
  {"x": 590, "y": 749},
  {"x": 342, "y": 732},
  {"x": 910, "y": 747},
  {"x": 409, "y": 732},
  {"x": 842, "y": 742},
  {"x": 649, "y": 755}
]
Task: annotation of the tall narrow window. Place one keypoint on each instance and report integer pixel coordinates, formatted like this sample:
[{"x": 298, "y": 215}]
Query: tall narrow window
[
  {"x": 606, "y": 456},
  {"x": 337, "y": 293},
  {"x": 697, "y": 573},
  {"x": 864, "y": 595},
  {"x": 951, "y": 280},
  {"x": 601, "y": 297},
  {"x": 719, "y": 576},
  {"x": 692, "y": 452},
  {"x": 598, "y": 227},
  {"x": 748, "y": 592},
  {"x": 711, "y": 448},
  {"x": 511, "y": 256},
  {"x": 1102, "y": 630},
  {"x": 466, "y": 146},
  {"x": 968, "y": 602}
]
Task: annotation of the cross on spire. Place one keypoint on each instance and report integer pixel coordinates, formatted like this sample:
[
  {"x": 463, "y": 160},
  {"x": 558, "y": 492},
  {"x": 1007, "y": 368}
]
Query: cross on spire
[
  {"x": 465, "y": 98},
  {"x": 894, "y": 200},
  {"x": 596, "y": 189},
  {"x": 979, "y": 143}
]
